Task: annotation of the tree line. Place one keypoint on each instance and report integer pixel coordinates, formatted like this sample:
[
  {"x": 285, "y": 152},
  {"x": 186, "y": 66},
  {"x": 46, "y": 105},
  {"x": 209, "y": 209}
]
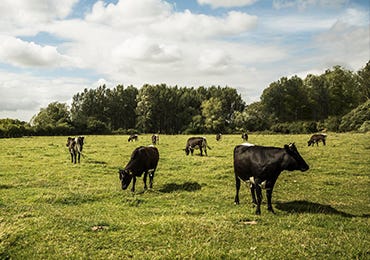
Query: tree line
[{"x": 337, "y": 100}]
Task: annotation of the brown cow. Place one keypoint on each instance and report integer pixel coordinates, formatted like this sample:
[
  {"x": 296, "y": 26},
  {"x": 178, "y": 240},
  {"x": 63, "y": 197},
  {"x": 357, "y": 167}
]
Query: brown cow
[{"x": 316, "y": 138}]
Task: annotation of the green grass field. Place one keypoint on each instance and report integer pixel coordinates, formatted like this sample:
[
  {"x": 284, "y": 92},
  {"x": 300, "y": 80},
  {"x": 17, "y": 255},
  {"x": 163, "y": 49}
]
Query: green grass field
[{"x": 53, "y": 209}]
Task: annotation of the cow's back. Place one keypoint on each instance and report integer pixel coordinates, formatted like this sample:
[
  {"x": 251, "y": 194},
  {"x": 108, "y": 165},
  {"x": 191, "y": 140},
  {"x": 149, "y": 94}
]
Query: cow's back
[
  {"x": 250, "y": 160},
  {"x": 143, "y": 158}
]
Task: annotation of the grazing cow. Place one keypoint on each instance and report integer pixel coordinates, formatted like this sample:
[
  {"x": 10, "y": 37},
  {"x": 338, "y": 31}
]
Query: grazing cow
[
  {"x": 245, "y": 136},
  {"x": 75, "y": 146},
  {"x": 155, "y": 139},
  {"x": 261, "y": 166},
  {"x": 316, "y": 138},
  {"x": 144, "y": 159},
  {"x": 132, "y": 138},
  {"x": 196, "y": 143},
  {"x": 218, "y": 136}
]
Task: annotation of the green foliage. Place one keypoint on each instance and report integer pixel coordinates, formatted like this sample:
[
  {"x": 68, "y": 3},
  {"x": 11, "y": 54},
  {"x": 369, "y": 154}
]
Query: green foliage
[
  {"x": 355, "y": 119},
  {"x": 50, "y": 208},
  {"x": 289, "y": 105},
  {"x": 364, "y": 82}
]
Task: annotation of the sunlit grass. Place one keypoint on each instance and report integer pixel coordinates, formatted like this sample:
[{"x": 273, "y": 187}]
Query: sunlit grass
[{"x": 51, "y": 208}]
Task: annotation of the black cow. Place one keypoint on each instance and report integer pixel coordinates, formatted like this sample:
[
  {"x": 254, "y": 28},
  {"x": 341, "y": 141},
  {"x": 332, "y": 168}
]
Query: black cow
[
  {"x": 261, "y": 166},
  {"x": 316, "y": 138},
  {"x": 75, "y": 146},
  {"x": 245, "y": 136},
  {"x": 155, "y": 139},
  {"x": 143, "y": 160},
  {"x": 134, "y": 137},
  {"x": 218, "y": 136},
  {"x": 196, "y": 143}
]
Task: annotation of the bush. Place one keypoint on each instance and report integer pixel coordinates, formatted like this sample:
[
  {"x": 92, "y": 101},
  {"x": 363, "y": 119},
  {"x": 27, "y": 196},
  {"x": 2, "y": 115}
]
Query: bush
[
  {"x": 354, "y": 120},
  {"x": 365, "y": 127},
  {"x": 299, "y": 127}
]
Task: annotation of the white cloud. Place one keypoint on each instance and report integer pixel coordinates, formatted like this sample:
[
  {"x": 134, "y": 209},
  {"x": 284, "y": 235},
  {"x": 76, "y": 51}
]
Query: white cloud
[
  {"x": 344, "y": 45},
  {"x": 128, "y": 12},
  {"x": 27, "y": 17},
  {"x": 304, "y": 4},
  {"x": 189, "y": 26},
  {"x": 226, "y": 3},
  {"x": 148, "y": 41},
  {"x": 28, "y": 54},
  {"x": 23, "y": 94}
]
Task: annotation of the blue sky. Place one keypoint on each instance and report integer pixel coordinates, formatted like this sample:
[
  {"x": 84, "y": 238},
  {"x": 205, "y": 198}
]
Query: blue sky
[{"x": 51, "y": 49}]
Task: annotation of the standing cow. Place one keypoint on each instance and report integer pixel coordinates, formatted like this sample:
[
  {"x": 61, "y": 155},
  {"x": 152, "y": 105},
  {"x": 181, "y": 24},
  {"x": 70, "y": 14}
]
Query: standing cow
[
  {"x": 155, "y": 139},
  {"x": 261, "y": 166},
  {"x": 196, "y": 143},
  {"x": 134, "y": 137},
  {"x": 316, "y": 138},
  {"x": 245, "y": 136},
  {"x": 218, "y": 136},
  {"x": 75, "y": 146},
  {"x": 144, "y": 159}
]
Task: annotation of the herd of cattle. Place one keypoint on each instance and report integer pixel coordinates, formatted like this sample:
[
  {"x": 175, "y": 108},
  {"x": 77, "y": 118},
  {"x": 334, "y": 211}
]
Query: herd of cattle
[{"x": 258, "y": 165}]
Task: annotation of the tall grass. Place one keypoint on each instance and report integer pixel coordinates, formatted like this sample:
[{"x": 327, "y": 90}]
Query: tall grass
[{"x": 51, "y": 208}]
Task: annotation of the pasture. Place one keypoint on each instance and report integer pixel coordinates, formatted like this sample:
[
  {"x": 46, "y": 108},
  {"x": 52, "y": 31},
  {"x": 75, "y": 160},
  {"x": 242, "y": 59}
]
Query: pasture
[{"x": 51, "y": 208}]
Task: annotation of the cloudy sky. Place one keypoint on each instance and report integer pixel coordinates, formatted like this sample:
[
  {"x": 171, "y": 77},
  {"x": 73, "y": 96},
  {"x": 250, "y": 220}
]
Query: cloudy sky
[{"x": 52, "y": 49}]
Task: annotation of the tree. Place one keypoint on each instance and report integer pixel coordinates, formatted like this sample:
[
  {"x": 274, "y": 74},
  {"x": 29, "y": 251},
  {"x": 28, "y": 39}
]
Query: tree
[
  {"x": 212, "y": 112},
  {"x": 363, "y": 77},
  {"x": 318, "y": 95},
  {"x": 344, "y": 91},
  {"x": 55, "y": 113}
]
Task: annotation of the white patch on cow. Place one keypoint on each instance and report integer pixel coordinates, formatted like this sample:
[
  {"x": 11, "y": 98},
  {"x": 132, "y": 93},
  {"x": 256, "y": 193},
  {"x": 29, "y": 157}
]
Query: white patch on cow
[
  {"x": 262, "y": 185},
  {"x": 247, "y": 144}
]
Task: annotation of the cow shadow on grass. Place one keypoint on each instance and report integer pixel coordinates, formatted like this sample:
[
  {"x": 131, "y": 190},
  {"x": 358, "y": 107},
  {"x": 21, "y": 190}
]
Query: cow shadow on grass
[
  {"x": 186, "y": 186},
  {"x": 303, "y": 206}
]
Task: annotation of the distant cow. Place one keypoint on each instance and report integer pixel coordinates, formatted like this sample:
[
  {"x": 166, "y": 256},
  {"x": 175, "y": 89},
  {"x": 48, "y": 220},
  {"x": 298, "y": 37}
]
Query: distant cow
[
  {"x": 155, "y": 139},
  {"x": 75, "y": 146},
  {"x": 316, "y": 138},
  {"x": 245, "y": 136},
  {"x": 143, "y": 160},
  {"x": 196, "y": 143},
  {"x": 261, "y": 166},
  {"x": 134, "y": 137},
  {"x": 218, "y": 136}
]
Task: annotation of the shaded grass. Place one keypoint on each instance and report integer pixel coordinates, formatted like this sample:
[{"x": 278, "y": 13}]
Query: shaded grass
[{"x": 51, "y": 208}]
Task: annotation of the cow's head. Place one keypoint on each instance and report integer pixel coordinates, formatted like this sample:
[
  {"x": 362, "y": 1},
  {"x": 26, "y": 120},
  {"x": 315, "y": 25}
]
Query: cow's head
[
  {"x": 299, "y": 163},
  {"x": 69, "y": 141},
  {"x": 187, "y": 150},
  {"x": 125, "y": 178},
  {"x": 80, "y": 141}
]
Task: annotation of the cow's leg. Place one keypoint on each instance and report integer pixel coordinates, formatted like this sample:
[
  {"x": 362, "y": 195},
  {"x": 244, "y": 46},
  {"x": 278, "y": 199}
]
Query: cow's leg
[
  {"x": 71, "y": 157},
  {"x": 191, "y": 150},
  {"x": 205, "y": 151},
  {"x": 78, "y": 156},
  {"x": 237, "y": 187},
  {"x": 323, "y": 141},
  {"x": 201, "y": 151},
  {"x": 151, "y": 177},
  {"x": 269, "y": 197},
  {"x": 144, "y": 179},
  {"x": 253, "y": 193},
  {"x": 259, "y": 196},
  {"x": 133, "y": 183},
  {"x": 269, "y": 188}
]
